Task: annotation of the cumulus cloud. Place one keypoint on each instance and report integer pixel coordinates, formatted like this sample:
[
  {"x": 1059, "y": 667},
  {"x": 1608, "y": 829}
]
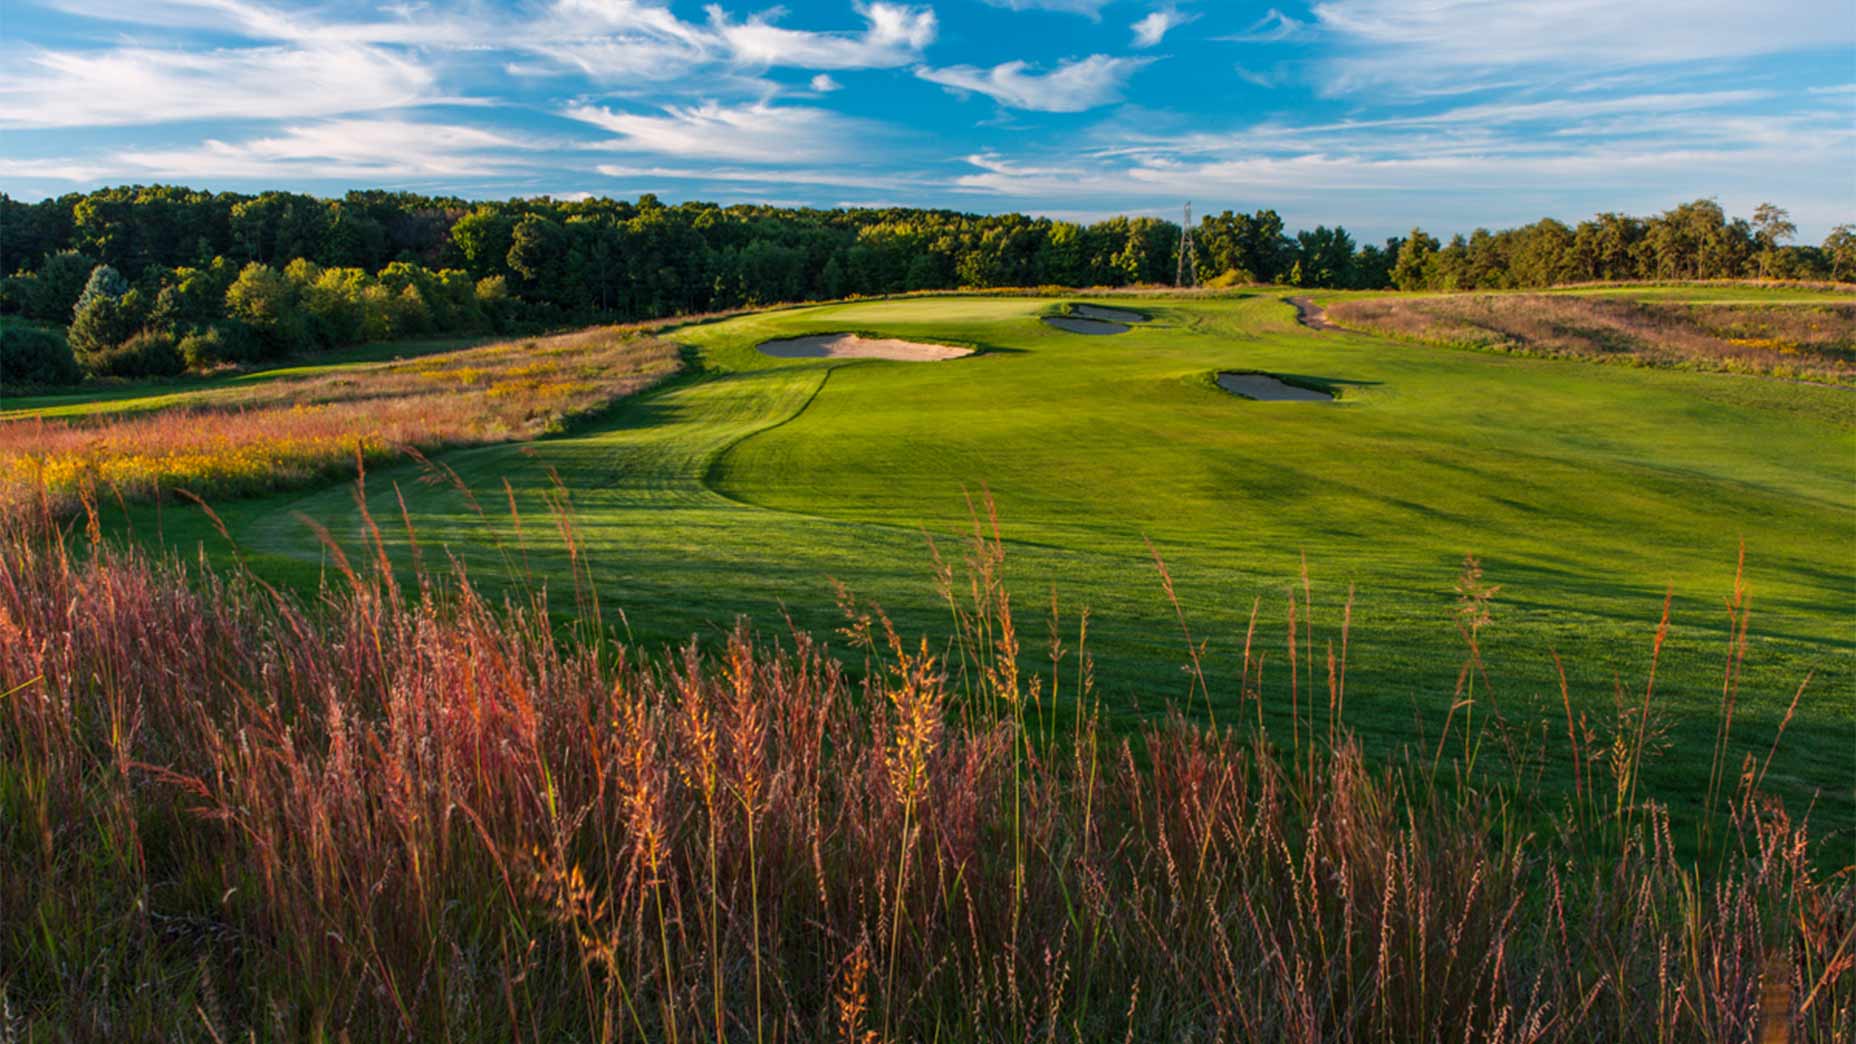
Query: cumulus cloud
[
  {"x": 1150, "y": 30},
  {"x": 1073, "y": 86}
]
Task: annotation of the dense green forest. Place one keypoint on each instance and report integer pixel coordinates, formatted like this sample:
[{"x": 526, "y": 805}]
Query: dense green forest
[{"x": 152, "y": 280}]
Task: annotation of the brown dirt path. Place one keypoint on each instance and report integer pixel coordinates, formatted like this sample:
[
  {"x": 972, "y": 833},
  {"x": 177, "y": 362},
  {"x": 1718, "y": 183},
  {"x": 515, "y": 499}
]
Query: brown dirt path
[{"x": 1310, "y": 314}]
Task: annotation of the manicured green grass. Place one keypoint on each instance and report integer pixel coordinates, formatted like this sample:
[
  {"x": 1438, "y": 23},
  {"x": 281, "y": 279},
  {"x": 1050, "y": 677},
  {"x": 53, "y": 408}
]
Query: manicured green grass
[{"x": 1587, "y": 491}]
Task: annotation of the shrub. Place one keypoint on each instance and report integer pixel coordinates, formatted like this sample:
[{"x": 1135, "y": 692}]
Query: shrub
[
  {"x": 218, "y": 345},
  {"x": 15, "y": 291},
  {"x": 493, "y": 301},
  {"x": 150, "y": 353},
  {"x": 264, "y": 298},
  {"x": 35, "y": 355}
]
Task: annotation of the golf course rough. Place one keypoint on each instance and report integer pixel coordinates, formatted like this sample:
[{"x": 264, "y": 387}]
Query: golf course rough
[{"x": 753, "y": 484}]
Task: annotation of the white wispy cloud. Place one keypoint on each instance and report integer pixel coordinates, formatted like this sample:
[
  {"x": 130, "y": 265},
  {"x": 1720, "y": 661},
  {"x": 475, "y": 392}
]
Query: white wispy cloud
[
  {"x": 1089, "y": 8},
  {"x": 835, "y": 178},
  {"x": 135, "y": 85},
  {"x": 381, "y": 52},
  {"x": 1492, "y": 163},
  {"x": 760, "y": 132},
  {"x": 1267, "y": 80},
  {"x": 1072, "y": 86},
  {"x": 1425, "y": 42},
  {"x": 1273, "y": 26},
  {"x": 55, "y": 169},
  {"x": 398, "y": 24},
  {"x": 1150, "y": 30},
  {"x": 361, "y": 149},
  {"x": 894, "y": 35},
  {"x": 352, "y": 148}
]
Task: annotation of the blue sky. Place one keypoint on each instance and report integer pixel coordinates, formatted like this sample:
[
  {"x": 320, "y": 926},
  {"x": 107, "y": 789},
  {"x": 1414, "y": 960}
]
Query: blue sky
[{"x": 1375, "y": 114}]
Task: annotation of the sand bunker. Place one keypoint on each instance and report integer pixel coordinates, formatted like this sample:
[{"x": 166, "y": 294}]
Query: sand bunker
[
  {"x": 1107, "y": 314},
  {"x": 851, "y": 346},
  {"x": 1265, "y": 388},
  {"x": 1085, "y": 326}
]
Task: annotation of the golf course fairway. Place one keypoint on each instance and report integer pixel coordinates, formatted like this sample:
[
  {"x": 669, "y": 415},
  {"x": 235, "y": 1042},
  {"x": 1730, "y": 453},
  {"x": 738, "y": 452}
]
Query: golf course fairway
[{"x": 749, "y": 484}]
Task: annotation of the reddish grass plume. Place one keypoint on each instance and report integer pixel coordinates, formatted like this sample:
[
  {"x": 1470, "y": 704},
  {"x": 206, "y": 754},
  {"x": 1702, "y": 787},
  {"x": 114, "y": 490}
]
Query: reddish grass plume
[{"x": 392, "y": 812}]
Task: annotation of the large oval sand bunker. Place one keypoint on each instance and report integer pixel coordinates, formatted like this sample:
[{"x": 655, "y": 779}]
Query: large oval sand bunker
[
  {"x": 851, "y": 346},
  {"x": 1264, "y": 387}
]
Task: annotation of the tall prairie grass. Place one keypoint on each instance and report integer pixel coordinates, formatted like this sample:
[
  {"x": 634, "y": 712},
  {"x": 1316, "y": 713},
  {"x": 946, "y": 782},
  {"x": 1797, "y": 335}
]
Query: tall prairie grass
[
  {"x": 1814, "y": 342},
  {"x": 288, "y": 432},
  {"x": 402, "y": 812}
]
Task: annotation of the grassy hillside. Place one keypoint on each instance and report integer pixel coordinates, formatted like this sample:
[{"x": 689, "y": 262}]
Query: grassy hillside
[
  {"x": 1587, "y": 492},
  {"x": 297, "y": 425}
]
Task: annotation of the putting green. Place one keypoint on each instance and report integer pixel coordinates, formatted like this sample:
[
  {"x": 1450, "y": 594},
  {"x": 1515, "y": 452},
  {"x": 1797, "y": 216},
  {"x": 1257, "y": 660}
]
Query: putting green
[{"x": 1587, "y": 491}]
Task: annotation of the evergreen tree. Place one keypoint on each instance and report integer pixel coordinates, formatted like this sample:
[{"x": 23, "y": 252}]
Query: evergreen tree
[
  {"x": 1412, "y": 269},
  {"x": 106, "y": 314}
]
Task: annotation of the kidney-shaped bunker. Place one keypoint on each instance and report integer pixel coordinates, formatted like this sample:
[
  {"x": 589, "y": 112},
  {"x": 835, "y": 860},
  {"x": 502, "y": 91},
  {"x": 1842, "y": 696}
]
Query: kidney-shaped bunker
[{"x": 851, "y": 346}]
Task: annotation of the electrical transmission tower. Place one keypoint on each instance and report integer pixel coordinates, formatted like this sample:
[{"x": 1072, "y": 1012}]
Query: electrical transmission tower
[{"x": 1188, "y": 274}]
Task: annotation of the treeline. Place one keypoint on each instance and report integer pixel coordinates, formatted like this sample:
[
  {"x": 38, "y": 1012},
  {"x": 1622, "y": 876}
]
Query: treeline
[
  {"x": 179, "y": 278},
  {"x": 155, "y": 279},
  {"x": 573, "y": 258},
  {"x": 1693, "y": 241}
]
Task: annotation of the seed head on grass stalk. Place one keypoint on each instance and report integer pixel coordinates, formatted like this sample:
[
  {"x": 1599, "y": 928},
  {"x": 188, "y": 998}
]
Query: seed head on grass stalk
[
  {"x": 699, "y": 763},
  {"x": 914, "y": 691},
  {"x": 748, "y": 778}
]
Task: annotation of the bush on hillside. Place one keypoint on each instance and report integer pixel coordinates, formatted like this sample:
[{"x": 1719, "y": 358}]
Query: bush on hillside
[
  {"x": 218, "y": 344},
  {"x": 32, "y": 355},
  {"x": 150, "y": 353}
]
